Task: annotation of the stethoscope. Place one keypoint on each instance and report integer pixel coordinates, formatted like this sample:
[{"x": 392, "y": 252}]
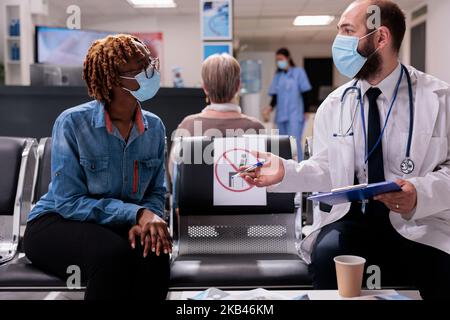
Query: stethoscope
[{"x": 407, "y": 166}]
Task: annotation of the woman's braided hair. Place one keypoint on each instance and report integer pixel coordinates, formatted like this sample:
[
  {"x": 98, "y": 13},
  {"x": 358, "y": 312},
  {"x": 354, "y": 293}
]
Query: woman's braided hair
[{"x": 100, "y": 69}]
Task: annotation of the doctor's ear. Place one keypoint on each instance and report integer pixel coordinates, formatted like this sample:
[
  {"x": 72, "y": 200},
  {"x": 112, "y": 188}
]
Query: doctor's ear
[{"x": 384, "y": 37}]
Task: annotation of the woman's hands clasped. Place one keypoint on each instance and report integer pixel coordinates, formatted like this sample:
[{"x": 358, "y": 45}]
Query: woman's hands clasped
[{"x": 153, "y": 232}]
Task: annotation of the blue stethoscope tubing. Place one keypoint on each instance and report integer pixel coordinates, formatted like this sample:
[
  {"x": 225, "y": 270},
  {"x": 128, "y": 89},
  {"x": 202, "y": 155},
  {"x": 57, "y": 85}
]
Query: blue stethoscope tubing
[{"x": 407, "y": 166}]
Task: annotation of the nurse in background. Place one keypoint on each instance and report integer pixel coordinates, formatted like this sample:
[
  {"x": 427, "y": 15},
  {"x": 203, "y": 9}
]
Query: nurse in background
[{"x": 288, "y": 85}]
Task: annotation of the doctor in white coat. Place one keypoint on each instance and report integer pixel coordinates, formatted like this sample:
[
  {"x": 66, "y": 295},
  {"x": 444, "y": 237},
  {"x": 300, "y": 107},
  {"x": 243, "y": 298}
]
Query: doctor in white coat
[{"x": 406, "y": 234}]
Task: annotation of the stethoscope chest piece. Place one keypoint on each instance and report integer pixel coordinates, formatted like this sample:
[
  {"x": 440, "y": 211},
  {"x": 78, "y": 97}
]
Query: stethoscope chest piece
[{"x": 407, "y": 166}]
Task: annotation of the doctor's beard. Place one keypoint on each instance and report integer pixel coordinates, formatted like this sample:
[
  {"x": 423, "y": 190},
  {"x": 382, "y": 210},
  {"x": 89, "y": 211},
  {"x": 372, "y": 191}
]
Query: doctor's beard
[{"x": 373, "y": 64}]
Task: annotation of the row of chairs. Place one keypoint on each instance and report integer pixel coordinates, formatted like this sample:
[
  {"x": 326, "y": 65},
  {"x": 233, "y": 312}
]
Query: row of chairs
[
  {"x": 225, "y": 247},
  {"x": 25, "y": 168}
]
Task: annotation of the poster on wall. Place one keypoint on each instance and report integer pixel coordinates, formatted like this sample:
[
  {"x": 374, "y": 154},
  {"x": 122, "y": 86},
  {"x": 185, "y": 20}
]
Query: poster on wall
[
  {"x": 154, "y": 42},
  {"x": 210, "y": 48},
  {"x": 216, "y": 19}
]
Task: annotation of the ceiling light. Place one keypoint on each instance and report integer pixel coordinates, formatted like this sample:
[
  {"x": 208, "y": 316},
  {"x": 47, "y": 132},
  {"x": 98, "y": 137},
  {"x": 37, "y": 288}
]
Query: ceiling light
[
  {"x": 152, "y": 3},
  {"x": 313, "y": 20}
]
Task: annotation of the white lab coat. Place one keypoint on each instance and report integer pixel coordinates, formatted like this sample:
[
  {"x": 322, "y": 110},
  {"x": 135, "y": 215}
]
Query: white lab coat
[{"x": 333, "y": 165}]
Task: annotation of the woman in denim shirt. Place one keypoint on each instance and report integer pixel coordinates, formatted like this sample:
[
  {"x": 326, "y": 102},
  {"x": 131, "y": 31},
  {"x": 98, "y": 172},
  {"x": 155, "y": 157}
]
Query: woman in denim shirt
[{"x": 103, "y": 211}]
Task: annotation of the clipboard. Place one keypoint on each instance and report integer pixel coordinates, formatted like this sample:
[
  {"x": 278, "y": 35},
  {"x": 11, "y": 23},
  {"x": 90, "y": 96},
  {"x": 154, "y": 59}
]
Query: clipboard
[{"x": 355, "y": 193}]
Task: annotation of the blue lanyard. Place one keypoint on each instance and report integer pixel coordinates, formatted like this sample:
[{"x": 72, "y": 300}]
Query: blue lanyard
[{"x": 363, "y": 118}]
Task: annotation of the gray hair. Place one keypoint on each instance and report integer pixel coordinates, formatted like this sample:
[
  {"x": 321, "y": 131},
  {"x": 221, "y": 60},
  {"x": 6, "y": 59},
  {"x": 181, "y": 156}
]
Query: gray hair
[{"x": 221, "y": 75}]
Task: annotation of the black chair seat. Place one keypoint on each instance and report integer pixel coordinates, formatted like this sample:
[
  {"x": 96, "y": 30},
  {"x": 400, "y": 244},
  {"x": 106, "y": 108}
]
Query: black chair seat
[
  {"x": 239, "y": 271},
  {"x": 22, "y": 275}
]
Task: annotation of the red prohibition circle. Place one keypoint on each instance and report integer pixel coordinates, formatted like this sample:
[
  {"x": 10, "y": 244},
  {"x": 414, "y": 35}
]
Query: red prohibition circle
[{"x": 234, "y": 167}]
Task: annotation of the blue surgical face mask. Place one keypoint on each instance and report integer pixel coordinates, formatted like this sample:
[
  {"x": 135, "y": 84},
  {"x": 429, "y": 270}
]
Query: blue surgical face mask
[
  {"x": 282, "y": 64},
  {"x": 346, "y": 56},
  {"x": 148, "y": 87}
]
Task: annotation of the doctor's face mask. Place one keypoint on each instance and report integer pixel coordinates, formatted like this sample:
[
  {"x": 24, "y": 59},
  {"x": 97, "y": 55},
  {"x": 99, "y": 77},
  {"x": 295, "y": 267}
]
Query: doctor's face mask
[{"x": 348, "y": 60}]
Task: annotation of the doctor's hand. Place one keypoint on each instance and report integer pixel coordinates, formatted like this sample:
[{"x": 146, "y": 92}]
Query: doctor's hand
[
  {"x": 403, "y": 202},
  {"x": 272, "y": 172}
]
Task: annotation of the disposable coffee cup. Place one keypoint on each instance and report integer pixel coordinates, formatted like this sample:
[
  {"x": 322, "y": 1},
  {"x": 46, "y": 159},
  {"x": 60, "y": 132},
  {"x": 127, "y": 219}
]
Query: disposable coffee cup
[{"x": 349, "y": 273}]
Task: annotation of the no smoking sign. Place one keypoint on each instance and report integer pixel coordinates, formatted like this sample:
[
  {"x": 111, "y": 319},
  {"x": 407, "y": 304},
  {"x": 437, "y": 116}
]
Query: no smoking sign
[{"x": 229, "y": 163}]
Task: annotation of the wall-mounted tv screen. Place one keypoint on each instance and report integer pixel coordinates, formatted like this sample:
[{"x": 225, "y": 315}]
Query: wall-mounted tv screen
[{"x": 64, "y": 46}]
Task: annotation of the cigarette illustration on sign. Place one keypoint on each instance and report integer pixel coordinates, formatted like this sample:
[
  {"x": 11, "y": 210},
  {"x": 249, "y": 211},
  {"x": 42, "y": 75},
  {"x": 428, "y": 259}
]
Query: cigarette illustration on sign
[
  {"x": 230, "y": 189},
  {"x": 236, "y": 184}
]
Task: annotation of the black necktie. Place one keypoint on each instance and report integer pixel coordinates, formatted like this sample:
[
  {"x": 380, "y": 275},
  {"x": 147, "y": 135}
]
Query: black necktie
[
  {"x": 375, "y": 209},
  {"x": 375, "y": 162}
]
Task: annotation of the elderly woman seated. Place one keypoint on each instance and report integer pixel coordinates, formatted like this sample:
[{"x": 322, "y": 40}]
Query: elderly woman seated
[{"x": 223, "y": 116}]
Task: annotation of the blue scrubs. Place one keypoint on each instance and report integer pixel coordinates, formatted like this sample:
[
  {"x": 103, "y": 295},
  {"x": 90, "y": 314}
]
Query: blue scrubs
[{"x": 289, "y": 118}]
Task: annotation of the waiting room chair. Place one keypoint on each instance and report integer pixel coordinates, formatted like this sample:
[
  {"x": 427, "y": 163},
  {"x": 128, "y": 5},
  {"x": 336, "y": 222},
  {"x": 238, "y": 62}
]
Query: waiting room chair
[
  {"x": 42, "y": 177},
  {"x": 19, "y": 274},
  {"x": 233, "y": 247},
  {"x": 18, "y": 157},
  {"x": 44, "y": 174}
]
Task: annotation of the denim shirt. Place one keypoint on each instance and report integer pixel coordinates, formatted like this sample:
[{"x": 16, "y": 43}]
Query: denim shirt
[{"x": 96, "y": 175}]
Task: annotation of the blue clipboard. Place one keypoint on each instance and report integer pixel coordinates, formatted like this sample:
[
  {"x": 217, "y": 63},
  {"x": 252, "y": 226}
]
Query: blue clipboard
[{"x": 355, "y": 193}]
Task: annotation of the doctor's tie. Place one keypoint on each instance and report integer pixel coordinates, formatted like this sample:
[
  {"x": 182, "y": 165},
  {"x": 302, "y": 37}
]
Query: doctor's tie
[{"x": 375, "y": 162}]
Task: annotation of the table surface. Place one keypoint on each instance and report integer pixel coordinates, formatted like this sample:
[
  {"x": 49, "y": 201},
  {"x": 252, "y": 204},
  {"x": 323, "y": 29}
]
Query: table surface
[{"x": 312, "y": 294}]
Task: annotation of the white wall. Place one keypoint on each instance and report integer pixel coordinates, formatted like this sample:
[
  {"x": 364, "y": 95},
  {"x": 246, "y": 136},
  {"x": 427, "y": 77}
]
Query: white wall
[
  {"x": 404, "y": 55},
  {"x": 438, "y": 44}
]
